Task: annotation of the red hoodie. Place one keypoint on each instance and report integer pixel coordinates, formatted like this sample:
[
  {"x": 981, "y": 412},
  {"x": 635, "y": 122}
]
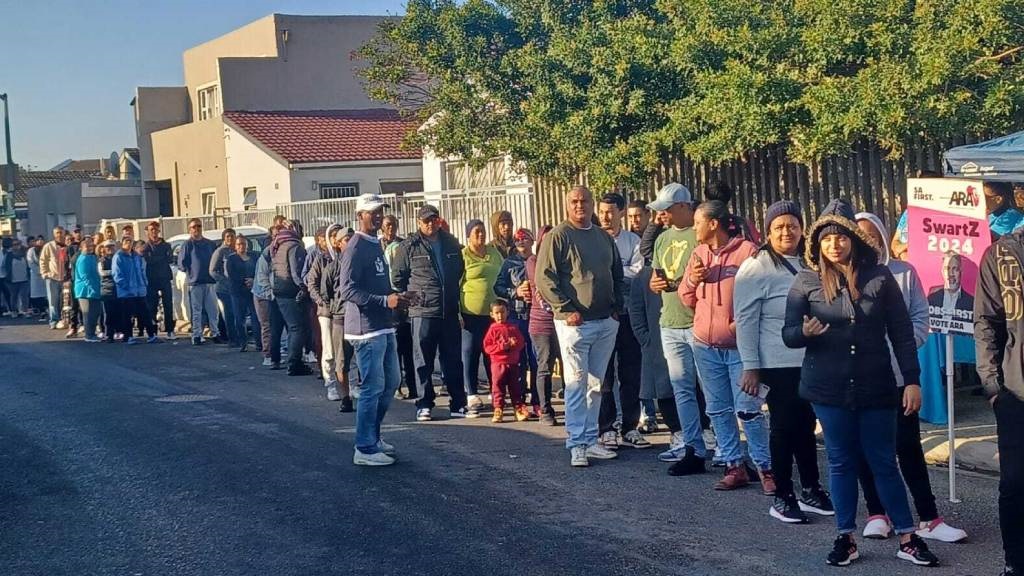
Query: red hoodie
[
  {"x": 504, "y": 343},
  {"x": 713, "y": 322}
]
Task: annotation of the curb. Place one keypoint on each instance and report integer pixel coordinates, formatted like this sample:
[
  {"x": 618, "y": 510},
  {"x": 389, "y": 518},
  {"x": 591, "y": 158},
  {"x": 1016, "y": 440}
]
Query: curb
[{"x": 980, "y": 453}]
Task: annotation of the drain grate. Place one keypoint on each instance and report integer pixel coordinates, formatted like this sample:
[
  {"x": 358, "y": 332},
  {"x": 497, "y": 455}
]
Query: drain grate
[{"x": 179, "y": 398}]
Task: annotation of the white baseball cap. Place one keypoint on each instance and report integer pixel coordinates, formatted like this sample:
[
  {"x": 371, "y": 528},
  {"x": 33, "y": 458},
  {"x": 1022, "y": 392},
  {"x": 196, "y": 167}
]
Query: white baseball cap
[{"x": 370, "y": 202}]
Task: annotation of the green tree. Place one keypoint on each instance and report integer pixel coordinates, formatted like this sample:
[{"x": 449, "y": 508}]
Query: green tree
[{"x": 607, "y": 87}]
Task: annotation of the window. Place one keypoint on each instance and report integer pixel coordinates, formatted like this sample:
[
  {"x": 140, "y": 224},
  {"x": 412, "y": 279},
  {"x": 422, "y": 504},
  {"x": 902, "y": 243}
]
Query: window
[
  {"x": 249, "y": 198},
  {"x": 209, "y": 197},
  {"x": 337, "y": 190},
  {"x": 400, "y": 186},
  {"x": 459, "y": 175},
  {"x": 209, "y": 102}
]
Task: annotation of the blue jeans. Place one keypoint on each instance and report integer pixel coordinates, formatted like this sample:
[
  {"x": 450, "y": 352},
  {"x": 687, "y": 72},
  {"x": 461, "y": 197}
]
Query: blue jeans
[
  {"x": 871, "y": 433},
  {"x": 586, "y": 350},
  {"x": 377, "y": 358},
  {"x": 473, "y": 331},
  {"x": 432, "y": 337},
  {"x": 528, "y": 362},
  {"x": 242, "y": 305},
  {"x": 720, "y": 370},
  {"x": 677, "y": 345},
  {"x": 53, "y": 289}
]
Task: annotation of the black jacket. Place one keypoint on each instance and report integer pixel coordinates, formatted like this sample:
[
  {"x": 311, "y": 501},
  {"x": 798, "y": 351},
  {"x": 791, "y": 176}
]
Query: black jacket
[
  {"x": 158, "y": 263},
  {"x": 313, "y": 283},
  {"x": 108, "y": 289},
  {"x": 286, "y": 267},
  {"x": 415, "y": 268},
  {"x": 849, "y": 364},
  {"x": 999, "y": 317},
  {"x": 329, "y": 290}
]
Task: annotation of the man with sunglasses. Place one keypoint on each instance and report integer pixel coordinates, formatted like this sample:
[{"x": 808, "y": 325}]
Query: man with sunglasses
[
  {"x": 194, "y": 259},
  {"x": 429, "y": 263}
]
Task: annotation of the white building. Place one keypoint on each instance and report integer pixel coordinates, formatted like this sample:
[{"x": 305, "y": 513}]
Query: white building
[{"x": 285, "y": 156}]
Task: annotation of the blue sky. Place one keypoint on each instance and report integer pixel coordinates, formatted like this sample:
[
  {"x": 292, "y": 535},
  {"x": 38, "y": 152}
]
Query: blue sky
[{"x": 71, "y": 67}]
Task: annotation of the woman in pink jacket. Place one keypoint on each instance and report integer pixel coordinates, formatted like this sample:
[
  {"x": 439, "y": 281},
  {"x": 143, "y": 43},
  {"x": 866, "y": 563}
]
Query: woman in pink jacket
[{"x": 708, "y": 289}]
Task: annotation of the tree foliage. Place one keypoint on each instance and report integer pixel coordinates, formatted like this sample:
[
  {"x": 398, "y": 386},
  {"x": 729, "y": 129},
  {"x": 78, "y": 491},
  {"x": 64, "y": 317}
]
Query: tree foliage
[{"x": 607, "y": 87}]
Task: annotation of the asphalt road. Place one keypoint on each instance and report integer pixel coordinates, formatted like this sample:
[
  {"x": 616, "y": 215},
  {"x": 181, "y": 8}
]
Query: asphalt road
[{"x": 173, "y": 460}]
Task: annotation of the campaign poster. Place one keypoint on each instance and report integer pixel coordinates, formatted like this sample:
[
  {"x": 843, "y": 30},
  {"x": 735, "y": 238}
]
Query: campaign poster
[{"x": 947, "y": 231}]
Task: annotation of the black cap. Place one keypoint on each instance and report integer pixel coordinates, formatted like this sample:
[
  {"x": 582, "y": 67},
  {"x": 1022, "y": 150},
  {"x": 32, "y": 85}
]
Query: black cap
[{"x": 427, "y": 212}]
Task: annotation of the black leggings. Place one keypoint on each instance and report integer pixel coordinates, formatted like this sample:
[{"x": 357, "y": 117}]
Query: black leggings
[
  {"x": 912, "y": 466},
  {"x": 792, "y": 431}
]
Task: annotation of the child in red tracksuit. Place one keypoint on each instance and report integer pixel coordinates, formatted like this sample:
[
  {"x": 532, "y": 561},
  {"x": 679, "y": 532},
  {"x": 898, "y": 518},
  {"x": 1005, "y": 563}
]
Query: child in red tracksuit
[{"x": 504, "y": 344}]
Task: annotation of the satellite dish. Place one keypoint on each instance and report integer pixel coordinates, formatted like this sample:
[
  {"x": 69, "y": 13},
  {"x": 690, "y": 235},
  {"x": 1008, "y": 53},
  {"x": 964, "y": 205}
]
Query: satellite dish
[{"x": 114, "y": 164}]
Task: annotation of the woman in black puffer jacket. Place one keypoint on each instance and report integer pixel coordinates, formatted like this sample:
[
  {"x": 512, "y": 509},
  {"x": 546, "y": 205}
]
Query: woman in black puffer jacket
[{"x": 845, "y": 310}]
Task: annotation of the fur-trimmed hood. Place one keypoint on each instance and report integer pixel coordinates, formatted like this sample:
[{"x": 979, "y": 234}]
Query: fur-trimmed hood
[{"x": 839, "y": 213}]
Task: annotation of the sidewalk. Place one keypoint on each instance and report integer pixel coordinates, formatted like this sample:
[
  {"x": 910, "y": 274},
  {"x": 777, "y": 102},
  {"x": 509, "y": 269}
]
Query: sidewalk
[{"x": 975, "y": 428}]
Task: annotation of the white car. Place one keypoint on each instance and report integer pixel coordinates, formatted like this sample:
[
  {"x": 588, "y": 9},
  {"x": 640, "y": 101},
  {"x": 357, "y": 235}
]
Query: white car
[{"x": 258, "y": 238}]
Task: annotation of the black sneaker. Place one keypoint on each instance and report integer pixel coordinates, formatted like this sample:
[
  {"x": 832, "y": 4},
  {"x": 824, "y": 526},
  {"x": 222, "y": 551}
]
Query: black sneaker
[
  {"x": 786, "y": 509},
  {"x": 197, "y": 341},
  {"x": 916, "y": 551},
  {"x": 218, "y": 339},
  {"x": 346, "y": 405},
  {"x": 301, "y": 370},
  {"x": 689, "y": 465},
  {"x": 1010, "y": 571},
  {"x": 816, "y": 500},
  {"x": 844, "y": 551},
  {"x": 548, "y": 419}
]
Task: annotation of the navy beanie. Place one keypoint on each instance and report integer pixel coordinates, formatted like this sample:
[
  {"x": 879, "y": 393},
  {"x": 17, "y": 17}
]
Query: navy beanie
[
  {"x": 473, "y": 224},
  {"x": 783, "y": 208}
]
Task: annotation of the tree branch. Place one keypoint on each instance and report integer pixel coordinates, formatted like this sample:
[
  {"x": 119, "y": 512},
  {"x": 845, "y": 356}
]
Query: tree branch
[{"x": 999, "y": 56}]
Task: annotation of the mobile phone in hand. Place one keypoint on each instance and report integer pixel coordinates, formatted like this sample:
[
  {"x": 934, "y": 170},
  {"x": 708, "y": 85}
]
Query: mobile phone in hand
[{"x": 660, "y": 273}]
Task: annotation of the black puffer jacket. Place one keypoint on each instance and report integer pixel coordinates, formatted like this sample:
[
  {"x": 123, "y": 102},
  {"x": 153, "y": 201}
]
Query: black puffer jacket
[
  {"x": 415, "y": 268},
  {"x": 108, "y": 289},
  {"x": 849, "y": 364}
]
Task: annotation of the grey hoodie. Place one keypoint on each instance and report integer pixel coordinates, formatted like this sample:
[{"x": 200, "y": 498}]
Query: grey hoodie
[{"x": 909, "y": 283}]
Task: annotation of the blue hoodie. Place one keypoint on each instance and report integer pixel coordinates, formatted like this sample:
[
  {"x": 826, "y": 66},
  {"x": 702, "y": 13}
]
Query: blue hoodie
[
  {"x": 129, "y": 275},
  {"x": 87, "y": 277},
  {"x": 365, "y": 285}
]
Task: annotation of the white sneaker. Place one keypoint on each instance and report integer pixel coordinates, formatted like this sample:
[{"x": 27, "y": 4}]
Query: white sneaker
[
  {"x": 710, "y": 441},
  {"x": 267, "y": 361},
  {"x": 375, "y": 459},
  {"x": 578, "y": 457},
  {"x": 635, "y": 439},
  {"x": 473, "y": 401},
  {"x": 676, "y": 448},
  {"x": 609, "y": 440},
  {"x": 354, "y": 392},
  {"x": 938, "y": 530},
  {"x": 385, "y": 447},
  {"x": 877, "y": 528},
  {"x": 600, "y": 453},
  {"x": 171, "y": 335},
  {"x": 423, "y": 415},
  {"x": 61, "y": 325}
]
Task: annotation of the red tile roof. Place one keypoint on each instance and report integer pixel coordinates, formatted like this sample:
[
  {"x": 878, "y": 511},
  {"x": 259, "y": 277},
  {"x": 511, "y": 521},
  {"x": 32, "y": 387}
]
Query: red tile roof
[{"x": 328, "y": 135}]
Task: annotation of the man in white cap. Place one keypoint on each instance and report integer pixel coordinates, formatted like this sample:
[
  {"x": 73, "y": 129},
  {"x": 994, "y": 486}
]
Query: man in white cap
[
  {"x": 672, "y": 251},
  {"x": 365, "y": 286},
  {"x": 579, "y": 273}
]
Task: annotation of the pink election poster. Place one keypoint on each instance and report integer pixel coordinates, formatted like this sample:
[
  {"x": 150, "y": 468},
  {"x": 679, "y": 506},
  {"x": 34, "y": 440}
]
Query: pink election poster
[{"x": 947, "y": 230}]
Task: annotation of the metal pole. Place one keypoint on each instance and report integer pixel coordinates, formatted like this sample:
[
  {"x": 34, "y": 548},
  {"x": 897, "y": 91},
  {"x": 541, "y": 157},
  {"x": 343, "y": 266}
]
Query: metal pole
[
  {"x": 7, "y": 141},
  {"x": 951, "y": 419}
]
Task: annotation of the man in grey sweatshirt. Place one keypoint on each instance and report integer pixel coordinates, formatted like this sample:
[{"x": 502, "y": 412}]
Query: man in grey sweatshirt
[{"x": 908, "y": 426}]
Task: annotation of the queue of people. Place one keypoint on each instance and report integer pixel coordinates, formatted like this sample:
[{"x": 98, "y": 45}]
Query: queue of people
[{"x": 669, "y": 307}]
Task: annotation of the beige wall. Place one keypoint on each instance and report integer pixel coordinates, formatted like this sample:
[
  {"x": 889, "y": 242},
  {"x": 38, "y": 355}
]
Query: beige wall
[
  {"x": 192, "y": 157},
  {"x": 255, "y": 39},
  {"x": 249, "y": 165},
  {"x": 313, "y": 71},
  {"x": 157, "y": 109}
]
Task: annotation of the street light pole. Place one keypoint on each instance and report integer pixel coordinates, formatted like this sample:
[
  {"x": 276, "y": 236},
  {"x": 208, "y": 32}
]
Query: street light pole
[{"x": 7, "y": 140}]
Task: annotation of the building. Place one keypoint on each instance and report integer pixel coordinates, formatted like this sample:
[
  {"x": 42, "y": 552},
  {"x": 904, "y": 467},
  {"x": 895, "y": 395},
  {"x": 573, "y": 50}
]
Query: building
[
  {"x": 84, "y": 203},
  {"x": 278, "y": 64},
  {"x": 26, "y": 180},
  {"x": 280, "y": 157}
]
